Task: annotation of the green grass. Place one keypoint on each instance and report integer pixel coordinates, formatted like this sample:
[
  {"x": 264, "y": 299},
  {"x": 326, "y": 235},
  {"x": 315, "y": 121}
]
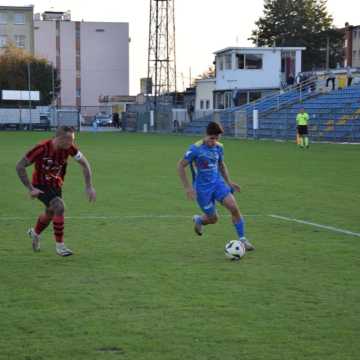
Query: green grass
[{"x": 148, "y": 288}]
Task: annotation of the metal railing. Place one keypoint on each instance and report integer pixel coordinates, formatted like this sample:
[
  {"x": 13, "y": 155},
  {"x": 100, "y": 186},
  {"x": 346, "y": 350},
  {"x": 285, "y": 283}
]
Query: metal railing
[{"x": 285, "y": 97}]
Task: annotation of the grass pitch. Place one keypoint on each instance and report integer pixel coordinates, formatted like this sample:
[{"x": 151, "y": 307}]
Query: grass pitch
[{"x": 142, "y": 285}]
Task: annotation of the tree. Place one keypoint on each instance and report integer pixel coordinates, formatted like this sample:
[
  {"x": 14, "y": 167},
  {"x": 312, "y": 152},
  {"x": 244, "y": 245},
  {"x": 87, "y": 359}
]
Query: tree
[
  {"x": 14, "y": 65},
  {"x": 208, "y": 74},
  {"x": 304, "y": 23}
]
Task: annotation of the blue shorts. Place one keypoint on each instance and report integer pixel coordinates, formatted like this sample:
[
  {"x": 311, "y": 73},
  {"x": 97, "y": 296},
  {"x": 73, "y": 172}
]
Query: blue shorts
[{"x": 206, "y": 198}]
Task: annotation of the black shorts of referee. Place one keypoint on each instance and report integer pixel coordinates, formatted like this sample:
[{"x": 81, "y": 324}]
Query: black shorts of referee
[{"x": 302, "y": 129}]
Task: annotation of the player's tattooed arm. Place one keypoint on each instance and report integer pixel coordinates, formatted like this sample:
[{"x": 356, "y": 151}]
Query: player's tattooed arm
[
  {"x": 21, "y": 171},
  {"x": 182, "y": 164},
  {"x": 90, "y": 191},
  {"x": 225, "y": 174}
]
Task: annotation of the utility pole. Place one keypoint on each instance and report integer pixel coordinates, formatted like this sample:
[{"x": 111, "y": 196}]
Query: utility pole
[
  {"x": 29, "y": 86},
  {"x": 327, "y": 53},
  {"x": 53, "y": 84}
]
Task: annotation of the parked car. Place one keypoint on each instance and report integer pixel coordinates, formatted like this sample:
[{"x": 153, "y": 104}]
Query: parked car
[
  {"x": 103, "y": 119},
  {"x": 44, "y": 118}
]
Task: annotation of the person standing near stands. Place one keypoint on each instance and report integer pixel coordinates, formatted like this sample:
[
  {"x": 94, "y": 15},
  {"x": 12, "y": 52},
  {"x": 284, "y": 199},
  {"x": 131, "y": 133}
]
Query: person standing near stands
[
  {"x": 331, "y": 78},
  {"x": 349, "y": 76},
  {"x": 302, "y": 120},
  {"x": 290, "y": 80},
  {"x": 116, "y": 120}
]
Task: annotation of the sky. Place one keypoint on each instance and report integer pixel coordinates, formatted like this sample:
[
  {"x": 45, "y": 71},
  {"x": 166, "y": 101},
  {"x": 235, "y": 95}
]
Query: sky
[{"x": 202, "y": 27}]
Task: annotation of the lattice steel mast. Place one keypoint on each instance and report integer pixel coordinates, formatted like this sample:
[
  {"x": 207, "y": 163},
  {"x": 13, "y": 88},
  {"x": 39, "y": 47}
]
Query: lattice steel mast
[{"x": 161, "y": 51}]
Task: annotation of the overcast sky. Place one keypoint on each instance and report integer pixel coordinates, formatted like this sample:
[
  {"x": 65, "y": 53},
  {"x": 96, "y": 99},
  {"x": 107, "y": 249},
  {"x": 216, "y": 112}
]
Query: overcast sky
[{"x": 202, "y": 27}]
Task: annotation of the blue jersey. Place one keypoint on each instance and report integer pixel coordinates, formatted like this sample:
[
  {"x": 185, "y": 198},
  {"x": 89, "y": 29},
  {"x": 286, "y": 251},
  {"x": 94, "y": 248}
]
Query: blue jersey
[{"x": 206, "y": 161}]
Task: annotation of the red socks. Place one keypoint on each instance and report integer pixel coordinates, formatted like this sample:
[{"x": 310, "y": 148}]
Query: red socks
[
  {"x": 42, "y": 223},
  {"x": 58, "y": 222}
]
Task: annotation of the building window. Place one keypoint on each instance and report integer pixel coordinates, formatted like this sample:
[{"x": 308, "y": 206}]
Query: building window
[
  {"x": 221, "y": 62},
  {"x": 227, "y": 100},
  {"x": 20, "y": 41},
  {"x": 201, "y": 104},
  {"x": 240, "y": 61},
  {"x": 207, "y": 104},
  {"x": 253, "y": 61},
  {"x": 3, "y": 18},
  {"x": 3, "y": 41},
  {"x": 100, "y": 30},
  {"x": 19, "y": 19},
  {"x": 254, "y": 96},
  {"x": 228, "y": 62},
  {"x": 220, "y": 100},
  {"x": 77, "y": 31},
  {"x": 240, "y": 98},
  {"x": 78, "y": 93},
  {"x": 249, "y": 61}
]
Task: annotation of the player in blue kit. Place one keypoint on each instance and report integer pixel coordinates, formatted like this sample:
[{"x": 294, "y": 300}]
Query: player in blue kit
[{"x": 211, "y": 182}]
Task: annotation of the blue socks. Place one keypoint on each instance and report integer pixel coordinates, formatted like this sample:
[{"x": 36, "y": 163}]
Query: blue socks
[{"x": 240, "y": 228}]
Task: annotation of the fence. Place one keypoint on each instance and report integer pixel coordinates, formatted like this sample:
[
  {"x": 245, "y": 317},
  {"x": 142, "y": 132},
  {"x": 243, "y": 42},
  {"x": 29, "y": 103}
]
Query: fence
[
  {"x": 65, "y": 117},
  {"x": 171, "y": 121},
  {"x": 19, "y": 118},
  {"x": 47, "y": 118}
]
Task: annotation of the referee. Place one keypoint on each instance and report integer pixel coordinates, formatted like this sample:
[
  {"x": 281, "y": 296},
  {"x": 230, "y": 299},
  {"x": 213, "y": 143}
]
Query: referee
[{"x": 302, "y": 120}]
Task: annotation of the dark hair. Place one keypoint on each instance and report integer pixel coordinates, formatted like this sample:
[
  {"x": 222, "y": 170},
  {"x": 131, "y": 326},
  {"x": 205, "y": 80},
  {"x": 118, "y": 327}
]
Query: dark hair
[
  {"x": 214, "y": 128},
  {"x": 62, "y": 130}
]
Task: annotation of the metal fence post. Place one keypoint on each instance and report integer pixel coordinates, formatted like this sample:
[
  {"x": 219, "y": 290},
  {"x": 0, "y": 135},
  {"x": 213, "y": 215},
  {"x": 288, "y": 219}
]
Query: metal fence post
[{"x": 255, "y": 122}]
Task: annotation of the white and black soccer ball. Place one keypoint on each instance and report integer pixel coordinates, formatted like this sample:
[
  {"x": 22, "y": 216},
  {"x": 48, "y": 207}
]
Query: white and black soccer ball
[{"x": 234, "y": 250}]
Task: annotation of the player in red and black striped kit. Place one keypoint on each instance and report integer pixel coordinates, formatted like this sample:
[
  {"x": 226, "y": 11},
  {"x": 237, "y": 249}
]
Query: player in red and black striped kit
[{"x": 50, "y": 161}]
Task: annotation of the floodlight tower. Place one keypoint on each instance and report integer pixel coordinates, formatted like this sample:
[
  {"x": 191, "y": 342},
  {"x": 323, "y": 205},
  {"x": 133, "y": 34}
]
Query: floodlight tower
[{"x": 161, "y": 51}]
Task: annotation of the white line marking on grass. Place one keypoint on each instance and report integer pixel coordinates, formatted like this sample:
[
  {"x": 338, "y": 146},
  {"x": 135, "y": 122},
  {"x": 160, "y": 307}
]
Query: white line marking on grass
[
  {"x": 331, "y": 228},
  {"x": 114, "y": 217}
]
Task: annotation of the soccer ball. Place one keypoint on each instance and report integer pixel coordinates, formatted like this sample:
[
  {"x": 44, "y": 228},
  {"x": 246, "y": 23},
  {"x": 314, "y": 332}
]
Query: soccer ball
[{"x": 234, "y": 250}]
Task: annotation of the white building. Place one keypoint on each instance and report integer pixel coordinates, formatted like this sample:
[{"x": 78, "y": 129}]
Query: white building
[
  {"x": 92, "y": 58},
  {"x": 246, "y": 74},
  {"x": 204, "y": 100}
]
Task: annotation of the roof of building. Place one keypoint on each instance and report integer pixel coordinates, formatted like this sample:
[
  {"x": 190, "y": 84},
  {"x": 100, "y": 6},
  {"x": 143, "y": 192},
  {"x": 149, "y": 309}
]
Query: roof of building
[
  {"x": 54, "y": 12},
  {"x": 265, "y": 48},
  {"x": 117, "y": 98},
  {"x": 29, "y": 7},
  {"x": 210, "y": 79}
]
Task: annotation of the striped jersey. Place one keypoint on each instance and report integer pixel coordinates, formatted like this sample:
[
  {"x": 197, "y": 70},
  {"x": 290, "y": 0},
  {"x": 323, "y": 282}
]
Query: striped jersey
[{"x": 50, "y": 163}]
